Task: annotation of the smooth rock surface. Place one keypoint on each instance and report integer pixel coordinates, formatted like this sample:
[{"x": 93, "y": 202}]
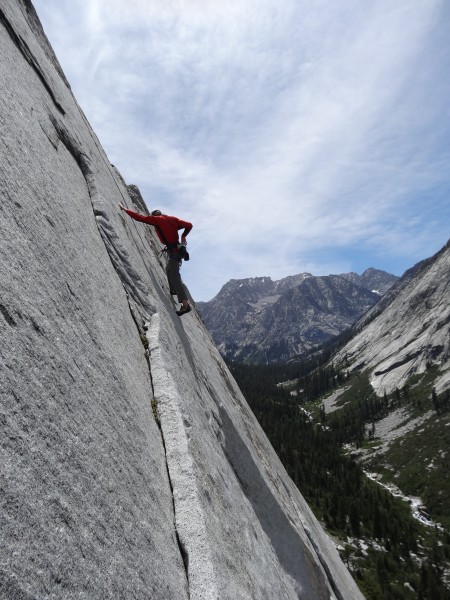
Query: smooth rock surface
[
  {"x": 132, "y": 466},
  {"x": 408, "y": 331}
]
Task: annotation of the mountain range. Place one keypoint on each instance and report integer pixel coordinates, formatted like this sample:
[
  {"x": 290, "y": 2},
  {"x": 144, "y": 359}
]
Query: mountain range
[{"x": 262, "y": 321}]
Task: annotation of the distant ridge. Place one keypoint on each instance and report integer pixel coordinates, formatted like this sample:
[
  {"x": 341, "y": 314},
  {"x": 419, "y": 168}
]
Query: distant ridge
[{"x": 260, "y": 320}]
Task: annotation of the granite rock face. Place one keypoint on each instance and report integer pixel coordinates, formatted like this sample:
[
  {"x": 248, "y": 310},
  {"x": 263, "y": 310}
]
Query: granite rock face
[
  {"x": 260, "y": 320},
  {"x": 408, "y": 331},
  {"x": 132, "y": 466}
]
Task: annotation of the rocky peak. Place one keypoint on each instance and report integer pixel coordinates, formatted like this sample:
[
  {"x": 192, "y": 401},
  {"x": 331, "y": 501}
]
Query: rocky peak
[
  {"x": 280, "y": 320},
  {"x": 292, "y": 281},
  {"x": 247, "y": 290},
  {"x": 372, "y": 279}
]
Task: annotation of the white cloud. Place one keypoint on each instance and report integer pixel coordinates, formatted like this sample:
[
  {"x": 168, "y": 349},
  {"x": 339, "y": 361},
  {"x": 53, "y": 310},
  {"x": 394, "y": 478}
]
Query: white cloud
[{"x": 279, "y": 128}]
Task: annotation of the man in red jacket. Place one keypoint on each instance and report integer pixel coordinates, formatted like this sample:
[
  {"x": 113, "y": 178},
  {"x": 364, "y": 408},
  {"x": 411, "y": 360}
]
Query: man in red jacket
[{"x": 167, "y": 231}]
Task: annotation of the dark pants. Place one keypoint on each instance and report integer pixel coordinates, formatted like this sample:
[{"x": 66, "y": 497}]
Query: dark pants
[{"x": 174, "y": 278}]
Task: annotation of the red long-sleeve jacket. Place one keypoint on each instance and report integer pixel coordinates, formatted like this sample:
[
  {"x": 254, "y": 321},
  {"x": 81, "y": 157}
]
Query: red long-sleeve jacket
[{"x": 169, "y": 226}]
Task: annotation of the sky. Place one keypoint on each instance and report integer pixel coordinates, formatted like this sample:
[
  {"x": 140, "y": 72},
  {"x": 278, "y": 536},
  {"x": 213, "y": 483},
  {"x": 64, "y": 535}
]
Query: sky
[{"x": 296, "y": 135}]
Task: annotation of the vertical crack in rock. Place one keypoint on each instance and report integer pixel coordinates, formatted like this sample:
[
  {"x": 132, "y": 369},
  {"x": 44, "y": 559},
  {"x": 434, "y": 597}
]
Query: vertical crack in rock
[
  {"x": 135, "y": 289},
  {"x": 189, "y": 518},
  {"x": 30, "y": 58},
  {"x": 7, "y": 316},
  {"x": 181, "y": 546},
  {"x": 118, "y": 255},
  {"x": 35, "y": 25},
  {"x": 319, "y": 553}
]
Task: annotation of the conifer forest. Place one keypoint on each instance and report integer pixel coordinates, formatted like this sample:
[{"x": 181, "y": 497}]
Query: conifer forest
[{"x": 391, "y": 554}]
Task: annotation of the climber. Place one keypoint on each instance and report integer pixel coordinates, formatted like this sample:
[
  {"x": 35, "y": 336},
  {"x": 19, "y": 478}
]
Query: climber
[{"x": 167, "y": 231}]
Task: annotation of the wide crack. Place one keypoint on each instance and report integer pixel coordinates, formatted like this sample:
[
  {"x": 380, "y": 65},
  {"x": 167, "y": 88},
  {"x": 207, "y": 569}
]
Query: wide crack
[{"x": 132, "y": 284}]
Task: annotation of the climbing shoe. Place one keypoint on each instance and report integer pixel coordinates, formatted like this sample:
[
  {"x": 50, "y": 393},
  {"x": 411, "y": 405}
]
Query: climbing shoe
[{"x": 183, "y": 310}]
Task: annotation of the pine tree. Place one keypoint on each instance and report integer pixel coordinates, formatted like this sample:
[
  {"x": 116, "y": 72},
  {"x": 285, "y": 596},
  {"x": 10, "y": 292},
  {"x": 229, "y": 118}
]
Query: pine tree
[{"x": 435, "y": 400}]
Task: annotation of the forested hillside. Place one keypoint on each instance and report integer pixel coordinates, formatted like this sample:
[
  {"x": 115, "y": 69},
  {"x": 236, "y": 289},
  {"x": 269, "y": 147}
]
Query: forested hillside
[{"x": 390, "y": 553}]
